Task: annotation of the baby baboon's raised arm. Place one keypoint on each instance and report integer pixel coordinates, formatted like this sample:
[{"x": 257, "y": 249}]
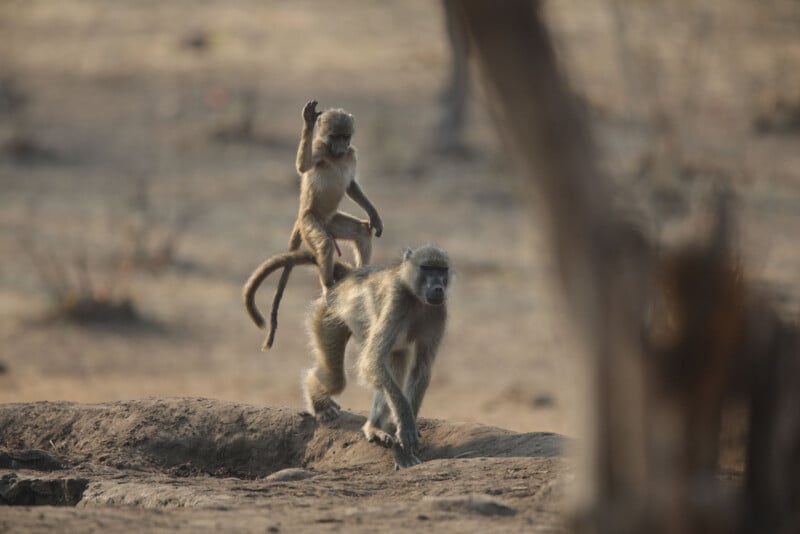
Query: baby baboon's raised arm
[
  {"x": 327, "y": 166},
  {"x": 398, "y": 314}
]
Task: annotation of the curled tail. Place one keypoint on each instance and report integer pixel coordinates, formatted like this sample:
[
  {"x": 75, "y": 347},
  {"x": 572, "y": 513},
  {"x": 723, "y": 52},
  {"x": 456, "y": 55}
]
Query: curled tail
[
  {"x": 286, "y": 260},
  {"x": 276, "y": 302}
]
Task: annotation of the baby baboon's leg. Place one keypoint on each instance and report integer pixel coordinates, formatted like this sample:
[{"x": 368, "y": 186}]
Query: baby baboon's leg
[
  {"x": 349, "y": 228},
  {"x": 319, "y": 241},
  {"x": 327, "y": 377},
  {"x": 295, "y": 239}
]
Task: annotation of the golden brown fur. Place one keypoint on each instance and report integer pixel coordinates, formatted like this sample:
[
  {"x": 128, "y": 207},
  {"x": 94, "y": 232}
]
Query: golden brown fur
[
  {"x": 327, "y": 165},
  {"x": 398, "y": 315}
]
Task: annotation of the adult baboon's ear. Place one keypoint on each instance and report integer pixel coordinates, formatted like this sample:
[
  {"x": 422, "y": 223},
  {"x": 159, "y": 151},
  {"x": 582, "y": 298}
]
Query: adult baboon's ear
[{"x": 407, "y": 252}]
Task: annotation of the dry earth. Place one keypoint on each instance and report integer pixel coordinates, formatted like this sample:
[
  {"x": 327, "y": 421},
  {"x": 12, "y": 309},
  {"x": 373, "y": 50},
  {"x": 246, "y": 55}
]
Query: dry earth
[
  {"x": 121, "y": 122},
  {"x": 202, "y": 465}
]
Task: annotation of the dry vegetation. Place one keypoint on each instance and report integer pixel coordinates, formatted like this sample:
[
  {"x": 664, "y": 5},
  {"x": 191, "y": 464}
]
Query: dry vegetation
[{"x": 148, "y": 148}]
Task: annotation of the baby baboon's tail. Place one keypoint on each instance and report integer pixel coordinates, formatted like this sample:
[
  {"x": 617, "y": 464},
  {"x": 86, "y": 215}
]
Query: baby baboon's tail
[{"x": 287, "y": 259}]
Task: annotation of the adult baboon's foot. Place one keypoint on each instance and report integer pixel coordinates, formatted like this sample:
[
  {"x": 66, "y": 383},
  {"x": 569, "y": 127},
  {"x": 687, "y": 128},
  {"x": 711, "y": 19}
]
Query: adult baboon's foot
[
  {"x": 376, "y": 435},
  {"x": 404, "y": 458},
  {"x": 326, "y": 410}
]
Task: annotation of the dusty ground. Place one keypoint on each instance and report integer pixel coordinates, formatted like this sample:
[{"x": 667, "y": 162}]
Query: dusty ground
[
  {"x": 199, "y": 464},
  {"x": 121, "y": 126}
]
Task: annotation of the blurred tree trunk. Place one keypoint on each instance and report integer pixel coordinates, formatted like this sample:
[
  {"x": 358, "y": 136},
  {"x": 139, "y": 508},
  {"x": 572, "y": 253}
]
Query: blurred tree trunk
[
  {"x": 665, "y": 330},
  {"x": 453, "y": 99}
]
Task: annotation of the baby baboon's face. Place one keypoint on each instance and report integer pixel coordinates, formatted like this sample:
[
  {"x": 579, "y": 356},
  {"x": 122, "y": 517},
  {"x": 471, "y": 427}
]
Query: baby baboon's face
[
  {"x": 338, "y": 144},
  {"x": 336, "y": 128}
]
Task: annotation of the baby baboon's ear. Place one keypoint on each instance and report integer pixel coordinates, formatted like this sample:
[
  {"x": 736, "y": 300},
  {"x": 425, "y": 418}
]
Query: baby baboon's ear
[{"x": 407, "y": 252}]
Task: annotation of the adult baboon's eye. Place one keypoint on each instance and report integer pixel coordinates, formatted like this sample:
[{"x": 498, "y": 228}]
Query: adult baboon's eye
[{"x": 433, "y": 269}]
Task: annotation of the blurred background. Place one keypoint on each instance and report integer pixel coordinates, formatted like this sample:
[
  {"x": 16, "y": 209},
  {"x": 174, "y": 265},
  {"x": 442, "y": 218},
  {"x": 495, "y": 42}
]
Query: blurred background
[{"x": 147, "y": 167}]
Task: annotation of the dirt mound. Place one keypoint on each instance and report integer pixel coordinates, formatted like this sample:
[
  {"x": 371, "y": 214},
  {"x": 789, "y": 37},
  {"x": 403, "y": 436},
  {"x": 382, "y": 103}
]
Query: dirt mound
[
  {"x": 190, "y": 436},
  {"x": 181, "y": 436},
  {"x": 226, "y": 461}
]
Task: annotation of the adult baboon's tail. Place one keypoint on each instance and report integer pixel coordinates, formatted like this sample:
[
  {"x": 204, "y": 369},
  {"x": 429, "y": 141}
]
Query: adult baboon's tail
[{"x": 287, "y": 259}]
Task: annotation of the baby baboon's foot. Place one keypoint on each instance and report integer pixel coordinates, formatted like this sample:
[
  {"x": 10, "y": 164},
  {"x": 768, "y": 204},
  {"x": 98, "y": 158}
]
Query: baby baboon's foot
[
  {"x": 376, "y": 435},
  {"x": 326, "y": 289},
  {"x": 326, "y": 410}
]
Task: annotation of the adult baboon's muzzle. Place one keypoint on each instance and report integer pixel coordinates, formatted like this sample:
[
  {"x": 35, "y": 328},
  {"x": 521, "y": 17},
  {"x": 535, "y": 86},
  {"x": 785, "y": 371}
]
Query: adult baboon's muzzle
[{"x": 435, "y": 296}]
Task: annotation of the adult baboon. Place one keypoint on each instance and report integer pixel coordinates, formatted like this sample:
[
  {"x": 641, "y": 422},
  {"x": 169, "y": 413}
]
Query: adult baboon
[
  {"x": 398, "y": 315},
  {"x": 328, "y": 168}
]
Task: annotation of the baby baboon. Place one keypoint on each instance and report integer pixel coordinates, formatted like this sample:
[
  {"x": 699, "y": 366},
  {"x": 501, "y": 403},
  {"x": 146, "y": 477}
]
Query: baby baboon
[
  {"x": 327, "y": 168},
  {"x": 398, "y": 315}
]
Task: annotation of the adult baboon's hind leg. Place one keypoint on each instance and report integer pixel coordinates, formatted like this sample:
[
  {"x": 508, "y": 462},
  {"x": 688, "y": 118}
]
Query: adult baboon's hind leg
[{"x": 327, "y": 377}]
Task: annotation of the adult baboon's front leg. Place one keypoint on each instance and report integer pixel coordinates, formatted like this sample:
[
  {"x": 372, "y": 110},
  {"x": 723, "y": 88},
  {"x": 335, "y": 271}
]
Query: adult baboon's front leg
[
  {"x": 380, "y": 428},
  {"x": 417, "y": 386},
  {"x": 406, "y": 436},
  {"x": 376, "y": 429},
  {"x": 377, "y": 367}
]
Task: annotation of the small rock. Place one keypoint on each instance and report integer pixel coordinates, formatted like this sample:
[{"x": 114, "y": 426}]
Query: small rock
[
  {"x": 36, "y": 459},
  {"x": 480, "y": 504},
  {"x": 543, "y": 401},
  {"x": 290, "y": 474},
  {"x": 37, "y": 492}
]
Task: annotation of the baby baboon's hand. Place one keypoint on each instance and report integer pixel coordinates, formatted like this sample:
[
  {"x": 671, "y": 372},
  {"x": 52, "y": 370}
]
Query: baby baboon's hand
[
  {"x": 310, "y": 112},
  {"x": 376, "y": 224}
]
